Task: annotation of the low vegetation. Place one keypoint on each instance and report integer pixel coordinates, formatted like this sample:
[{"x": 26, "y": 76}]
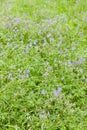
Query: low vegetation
[{"x": 43, "y": 63}]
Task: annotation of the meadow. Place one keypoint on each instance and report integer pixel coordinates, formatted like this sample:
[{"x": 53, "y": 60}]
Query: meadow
[{"x": 43, "y": 64}]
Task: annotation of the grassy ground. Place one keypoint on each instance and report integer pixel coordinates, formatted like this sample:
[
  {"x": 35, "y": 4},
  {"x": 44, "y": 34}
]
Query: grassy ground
[{"x": 43, "y": 63}]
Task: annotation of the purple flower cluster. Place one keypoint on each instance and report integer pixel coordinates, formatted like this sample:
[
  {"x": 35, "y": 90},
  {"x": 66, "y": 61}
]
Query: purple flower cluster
[
  {"x": 56, "y": 92},
  {"x": 23, "y": 75},
  {"x": 80, "y": 61},
  {"x": 44, "y": 114},
  {"x": 43, "y": 92}
]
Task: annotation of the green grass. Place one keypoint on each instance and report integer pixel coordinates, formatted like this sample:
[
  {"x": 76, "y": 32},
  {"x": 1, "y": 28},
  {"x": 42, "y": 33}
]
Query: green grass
[{"x": 43, "y": 65}]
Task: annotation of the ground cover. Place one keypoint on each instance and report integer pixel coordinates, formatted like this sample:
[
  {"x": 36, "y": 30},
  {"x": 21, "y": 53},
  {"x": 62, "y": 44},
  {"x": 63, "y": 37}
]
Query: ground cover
[{"x": 43, "y": 65}]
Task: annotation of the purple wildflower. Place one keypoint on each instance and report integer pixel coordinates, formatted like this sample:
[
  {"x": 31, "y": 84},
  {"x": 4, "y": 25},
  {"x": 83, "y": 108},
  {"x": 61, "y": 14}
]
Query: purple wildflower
[
  {"x": 35, "y": 43},
  {"x": 28, "y": 71},
  {"x": 22, "y": 76},
  {"x": 81, "y": 70},
  {"x": 9, "y": 44},
  {"x": 48, "y": 35},
  {"x": 75, "y": 62},
  {"x": 43, "y": 28},
  {"x": 59, "y": 89},
  {"x": 81, "y": 60},
  {"x": 80, "y": 34},
  {"x": 61, "y": 96},
  {"x": 41, "y": 115},
  {"x": 10, "y": 75},
  {"x": 43, "y": 92},
  {"x": 69, "y": 63},
  {"x": 59, "y": 51},
  {"x": 27, "y": 76},
  {"x": 85, "y": 18},
  {"x": 46, "y": 74},
  {"x": 73, "y": 48},
  {"x": 56, "y": 93}
]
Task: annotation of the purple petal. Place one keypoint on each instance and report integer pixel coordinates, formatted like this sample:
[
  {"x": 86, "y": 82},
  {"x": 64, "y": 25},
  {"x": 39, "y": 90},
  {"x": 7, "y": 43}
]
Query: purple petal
[
  {"x": 43, "y": 92},
  {"x": 59, "y": 89},
  {"x": 55, "y": 93}
]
